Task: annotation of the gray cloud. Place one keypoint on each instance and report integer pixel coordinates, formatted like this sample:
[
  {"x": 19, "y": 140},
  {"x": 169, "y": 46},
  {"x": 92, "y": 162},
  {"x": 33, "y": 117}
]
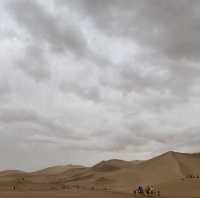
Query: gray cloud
[
  {"x": 120, "y": 79},
  {"x": 85, "y": 92},
  {"x": 52, "y": 33},
  {"x": 168, "y": 30},
  {"x": 4, "y": 88},
  {"x": 45, "y": 27},
  {"x": 29, "y": 119},
  {"x": 162, "y": 26},
  {"x": 34, "y": 64}
]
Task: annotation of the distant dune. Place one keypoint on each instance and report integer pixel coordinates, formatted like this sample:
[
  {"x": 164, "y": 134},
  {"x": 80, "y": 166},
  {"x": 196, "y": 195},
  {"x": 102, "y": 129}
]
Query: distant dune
[
  {"x": 112, "y": 165},
  {"x": 11, "y": 173},
  {"x": 56, "y": 169},
  {"x": 173, "y": 173}
]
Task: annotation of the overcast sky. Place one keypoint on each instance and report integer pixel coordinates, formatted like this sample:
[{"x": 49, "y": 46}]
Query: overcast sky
[{"x": 88, "y": 80}]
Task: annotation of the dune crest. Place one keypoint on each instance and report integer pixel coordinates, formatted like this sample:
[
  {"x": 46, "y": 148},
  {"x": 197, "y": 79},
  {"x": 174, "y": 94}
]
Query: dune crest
[{"x": 169, "y": 171}]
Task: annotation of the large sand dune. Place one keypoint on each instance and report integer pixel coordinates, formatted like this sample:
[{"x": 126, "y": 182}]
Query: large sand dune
[{"x": 174, "y": 174}]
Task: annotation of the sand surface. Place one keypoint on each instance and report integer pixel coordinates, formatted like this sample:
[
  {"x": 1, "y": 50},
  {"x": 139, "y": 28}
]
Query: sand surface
[
  {"x": 173, "y": 174},
  {"x": 79, "y": 194},
  {"x": 62, "y": 194}
]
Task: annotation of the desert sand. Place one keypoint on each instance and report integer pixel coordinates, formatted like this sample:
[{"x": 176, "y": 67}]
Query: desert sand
[{"x": 173, "y": 174}]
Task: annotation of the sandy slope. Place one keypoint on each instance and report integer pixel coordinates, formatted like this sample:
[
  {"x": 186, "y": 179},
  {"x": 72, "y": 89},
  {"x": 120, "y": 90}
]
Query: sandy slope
[
  {"x": 11, "y": 173},
  {"x": 62, "y": 194},
  {"x": 55, "y": 170},
  {"x": 169, "y": 172}
]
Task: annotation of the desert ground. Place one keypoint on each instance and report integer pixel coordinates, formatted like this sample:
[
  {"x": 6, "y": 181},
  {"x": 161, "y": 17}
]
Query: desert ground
[
  {"x": 173, "y": 174},
  {"x": 62, "y": 194}
]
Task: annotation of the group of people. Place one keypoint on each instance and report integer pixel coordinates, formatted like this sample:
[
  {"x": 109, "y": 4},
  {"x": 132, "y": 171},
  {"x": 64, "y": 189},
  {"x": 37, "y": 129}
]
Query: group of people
[{"x": 149, "y": 190}]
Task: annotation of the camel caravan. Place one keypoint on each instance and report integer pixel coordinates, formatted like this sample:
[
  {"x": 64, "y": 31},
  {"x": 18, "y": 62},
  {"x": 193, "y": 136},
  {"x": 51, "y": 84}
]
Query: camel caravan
[
  {"x": 193, "y": 176},
  {"x": 149, "y": 190}
]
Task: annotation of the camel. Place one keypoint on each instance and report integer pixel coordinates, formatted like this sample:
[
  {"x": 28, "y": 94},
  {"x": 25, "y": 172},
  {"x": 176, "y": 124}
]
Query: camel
[{"x": 147, "y": 191}]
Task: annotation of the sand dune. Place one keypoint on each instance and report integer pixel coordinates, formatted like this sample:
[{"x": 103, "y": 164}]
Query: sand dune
[
  {"x": 56, "y": 169},
  {"x": 112, "y": 165},
  {"x": 175, "y": 174},
  {"x": 171, "y": 166},
  {"x": 11, "y": 172}
]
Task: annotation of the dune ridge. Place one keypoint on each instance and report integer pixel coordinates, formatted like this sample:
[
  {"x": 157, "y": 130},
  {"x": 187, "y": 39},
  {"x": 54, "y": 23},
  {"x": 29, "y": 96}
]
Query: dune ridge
[{"x": 165, "y": 171}]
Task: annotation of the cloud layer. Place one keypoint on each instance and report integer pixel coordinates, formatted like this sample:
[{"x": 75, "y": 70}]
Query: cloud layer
[{"x": 87, "y": 80}]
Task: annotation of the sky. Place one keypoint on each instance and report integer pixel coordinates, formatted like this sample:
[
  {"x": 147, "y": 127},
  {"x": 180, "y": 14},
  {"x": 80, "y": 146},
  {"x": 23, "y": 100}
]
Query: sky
[{"x": 88, "y": 80}]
